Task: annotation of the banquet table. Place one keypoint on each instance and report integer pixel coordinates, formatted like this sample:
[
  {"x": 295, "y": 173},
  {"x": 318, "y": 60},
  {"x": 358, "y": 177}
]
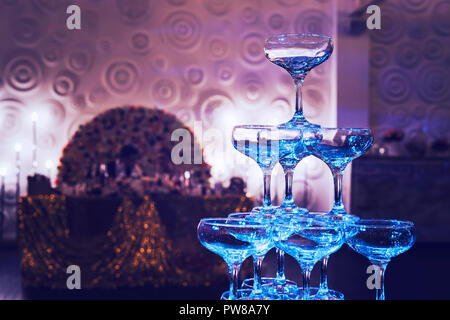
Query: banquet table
[{"x": 120, "y": 242}]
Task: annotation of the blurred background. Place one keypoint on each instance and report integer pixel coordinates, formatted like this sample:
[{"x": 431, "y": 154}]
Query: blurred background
[{"x": 203, "y": 62}]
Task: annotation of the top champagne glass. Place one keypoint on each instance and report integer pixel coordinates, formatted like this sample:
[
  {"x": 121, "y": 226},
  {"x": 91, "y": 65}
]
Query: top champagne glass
[{"x": 298, "y": 54}]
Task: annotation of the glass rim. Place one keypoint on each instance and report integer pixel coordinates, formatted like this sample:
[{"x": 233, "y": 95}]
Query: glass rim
[
  {"x": 339, "y": 128},
  {"x": 327, "y": 224},
  {"x": 249, "y": 224},
  {"x": 382, "y": 223},
  {"x": 272, "y": 38},
  {"x": 265, "y": 127}
]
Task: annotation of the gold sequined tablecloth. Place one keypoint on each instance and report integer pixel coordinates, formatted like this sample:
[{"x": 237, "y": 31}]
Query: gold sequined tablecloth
[{"x": 150, "y": 242}]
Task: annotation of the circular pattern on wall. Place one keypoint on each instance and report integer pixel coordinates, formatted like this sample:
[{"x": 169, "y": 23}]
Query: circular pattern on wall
[
  {"x": 23, "y": 73},
  {"x": 65, "y": 83},
  {"x": 312, "y": 21},
  {"x": 394, "y": 85},
  {"x": 80, "y": 58},
  {"x": 121, "y": 77},
  {"x": 407, "y": 55},
  {"x": 433, "y": 49},
  {"x": 98, "y": 95},
  {"x": 252, "y": 48},
  {"x": 224, "y": 72},
  {"x": 46, "y": 141},
  {"x": 11, "y": 114},
  {"x": 439, "y": 121},
  {"x": 393, "y": 25},
  {"x": 288, "y": 3},
  {"x": 379, "y": 57},
  {"x": 165, "y": 93},
  {"x": 140, "y": 43},
  {"x": 418, "y": 30},
  {"x": 50, "y": 6},
  {"x": 78, "y": 102},
  {"x": 177, "y": 2},
  {"x": 104, "y": 46},
  {"x": 276, "y": 22},
  {"x": 195, "y": 76},
  {"x": 280, "y": 111},
  {"x": 440, "y": 21},
  {"x": 26, "y": 31},
  {"x": 315, "y": 101},
  {"x": 250, "y": 14},
  {"x": 159, "y": 62},
  {"x": 252, "y": 88},
  {"x": 214, "y": 106},
  {"x": 217, "y": 7},
  {"x": 57, "y": 111},
  {"x": 218, "y": 48},
  {"x": 52, "y": 53},
  {"x": 184, "y": 30},
  {"x": 433, "y": 83},
  {"x": 133, "y": 12},
  {"x": 415, "y": 6}
]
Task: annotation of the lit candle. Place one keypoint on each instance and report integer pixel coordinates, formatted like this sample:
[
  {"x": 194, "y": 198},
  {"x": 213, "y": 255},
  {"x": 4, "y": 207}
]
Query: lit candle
[
  {"x": 34, "y": 118},
  {"x": 18, "y": 148},
  {"x": 187, "y": 176},
  {"x": 49, "y": 165}
]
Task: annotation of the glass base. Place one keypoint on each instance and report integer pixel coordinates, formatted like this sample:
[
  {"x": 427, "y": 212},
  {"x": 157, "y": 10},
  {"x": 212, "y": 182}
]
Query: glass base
[
  {"x": 298, "y": 121},
  {"x": 262, "y": 209},
  {"x": 337, "y": 210},
  {"x": 247, "y": 294},
  {"x": 292, "y": 210},
  {"x": 329, "y": 294},
  {"x": 287, "y": 291}
]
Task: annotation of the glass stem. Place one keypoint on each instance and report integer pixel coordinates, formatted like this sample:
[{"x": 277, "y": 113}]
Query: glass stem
[
  {"x": 267, "y": 197},
  {"x": 257, "y": 270},
  {"x": 299, "y": 98},
  {"x": 323, "y": 275},
  {"x": 281, "y": 277},
  {"x": 337, "y": 178},
  {"x": 306, "y": 273},
  {"x": 379, "y": 288},
  {"x": 288, "y": 179},
  {"x": 234, "y": 280}
]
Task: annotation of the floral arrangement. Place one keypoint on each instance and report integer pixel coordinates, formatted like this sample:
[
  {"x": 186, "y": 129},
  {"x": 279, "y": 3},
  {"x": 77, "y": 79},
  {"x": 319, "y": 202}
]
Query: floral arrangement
[{"x": 149, "y": 130}]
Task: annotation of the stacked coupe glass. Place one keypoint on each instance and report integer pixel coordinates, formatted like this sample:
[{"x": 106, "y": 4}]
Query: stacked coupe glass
[{"x": 309, "y": 237}]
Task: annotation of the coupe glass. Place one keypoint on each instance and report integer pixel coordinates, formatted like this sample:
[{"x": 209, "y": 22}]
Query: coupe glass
[
  {"x": 345, "y": 220},
  {"x": 298, "y": 54},
  {"x": 290, "y": 155},
  {"x": 234, "y": 240},
  {"x": 258, "y": 257},
  {"x": 380, "y": 241},
  {"x": 308, "y": 240},
  {"x": 337, "y": 148},
  {"x": 262, "y": 144}
]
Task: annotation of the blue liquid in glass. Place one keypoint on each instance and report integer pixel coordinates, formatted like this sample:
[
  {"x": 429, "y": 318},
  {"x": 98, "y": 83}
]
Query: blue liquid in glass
[
  {"x": 299, "y": 66},
  {"x": 291, "y": 152},
  {"x": 339, "y": 156},
  {"x": 308, "y": 245},
  {"x": 379, "y": 244},
  {"x": 225, "y": 245},
  {"x": 265, "y": 154}
]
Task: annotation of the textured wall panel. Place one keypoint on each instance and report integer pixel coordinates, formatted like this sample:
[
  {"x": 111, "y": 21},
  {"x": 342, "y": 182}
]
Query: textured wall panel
[
  {"x": 203, "y": 60},
  {"x": 410, "y": 70}
]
